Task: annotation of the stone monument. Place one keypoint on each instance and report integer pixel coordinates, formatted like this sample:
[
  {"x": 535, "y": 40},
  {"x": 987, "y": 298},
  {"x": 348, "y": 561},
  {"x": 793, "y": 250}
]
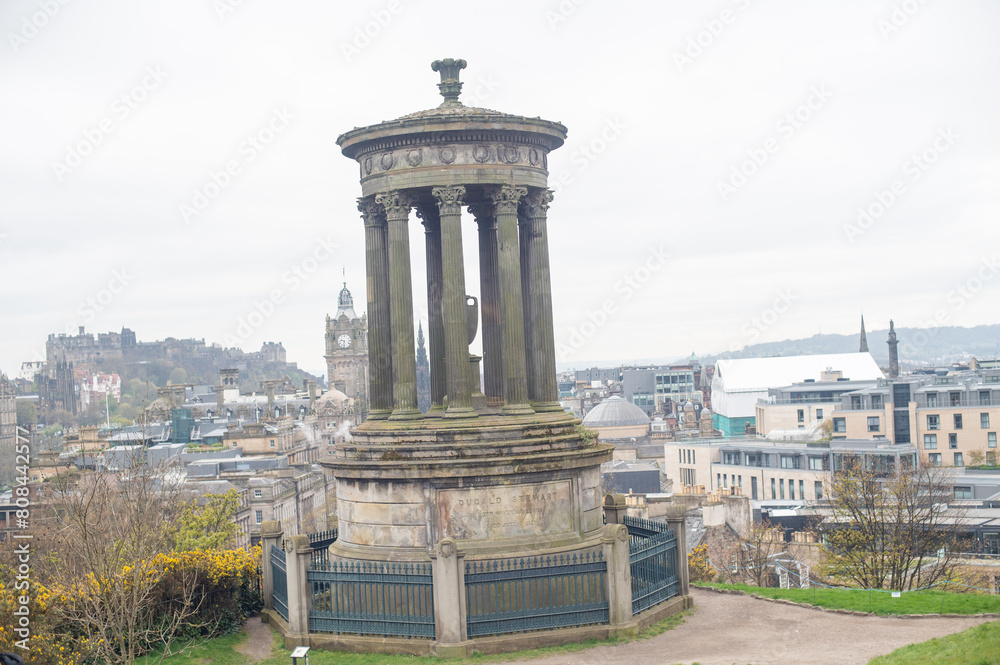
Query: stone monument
[{"x": 502, "y": 472}]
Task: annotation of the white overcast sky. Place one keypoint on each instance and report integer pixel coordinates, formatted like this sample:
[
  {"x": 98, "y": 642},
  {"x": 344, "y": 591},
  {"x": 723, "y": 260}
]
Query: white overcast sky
[{"x": 768, "y": 261}]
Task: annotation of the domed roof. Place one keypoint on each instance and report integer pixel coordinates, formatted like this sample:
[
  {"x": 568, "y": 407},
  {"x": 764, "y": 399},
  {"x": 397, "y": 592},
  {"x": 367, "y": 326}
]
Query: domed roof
[
  {"x": 333, "y": 395},
  {"x": 615, "y": 412}
]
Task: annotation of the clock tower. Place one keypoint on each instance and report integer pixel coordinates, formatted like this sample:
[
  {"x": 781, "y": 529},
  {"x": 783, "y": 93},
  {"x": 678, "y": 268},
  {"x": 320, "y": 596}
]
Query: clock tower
[{"x": 347, "y": 352}]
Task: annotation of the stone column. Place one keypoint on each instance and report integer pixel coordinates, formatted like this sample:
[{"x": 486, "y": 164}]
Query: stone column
[
  {"x": 456, "y": 330},
  {"x": 489, "y": 303},
  {"x": 505, "y": 199},
  {"x": 543, "y": 389},
  {"x": 377, "y": 291},
  {"x": 297, "y": 555},
  {"x": 435, "y": 326},
  {"x": 451, "y": 628},
  {"x": 524, "y": 240},
  {"x": 675, "y": 519},
  {"x": 270, "y": 534},
  {"x": 614, "y": 542},
  {"x": 404, "y": 358}
]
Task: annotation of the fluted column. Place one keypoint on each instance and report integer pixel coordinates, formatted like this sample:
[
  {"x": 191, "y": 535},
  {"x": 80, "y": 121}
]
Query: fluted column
[
  {"x": 545, "y": 390},
  {"x": 404, "y": 362},
  {"x": 489, "y": 303},
  {"x": 377, "y": 291},
  {"x": 505, "y": 199},
  {"x": 524, "y": 238},
  {"x": 435, "y": 325},
  {"x": 456, "y": 331}
]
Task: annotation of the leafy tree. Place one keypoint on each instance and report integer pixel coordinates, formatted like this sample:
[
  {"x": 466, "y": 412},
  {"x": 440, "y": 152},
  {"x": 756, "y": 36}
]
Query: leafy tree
[
  {"x": 27, "y": 413},
  {"x": 699, "y": 567},
  {"x": 178, "y": 375},
  {"x": 889, "y": 528},
  {"x": 209, "y": 525}
]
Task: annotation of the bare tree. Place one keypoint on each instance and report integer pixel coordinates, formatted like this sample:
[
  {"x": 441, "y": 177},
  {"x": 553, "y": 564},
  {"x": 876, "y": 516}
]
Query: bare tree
[
  {"x": 890, "y": 527},
  {"x": 755, "y": 553}
]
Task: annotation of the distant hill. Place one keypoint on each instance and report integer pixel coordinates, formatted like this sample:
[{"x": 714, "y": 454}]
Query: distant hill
[{"x": 918, "y": 347}]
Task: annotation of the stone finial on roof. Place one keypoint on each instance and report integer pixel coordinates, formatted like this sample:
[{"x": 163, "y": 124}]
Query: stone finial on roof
[{"x": 449, "y": 86}]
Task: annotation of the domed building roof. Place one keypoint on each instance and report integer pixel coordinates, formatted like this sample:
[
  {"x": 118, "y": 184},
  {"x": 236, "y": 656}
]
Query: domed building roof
[{"x": 615, "y": 412}]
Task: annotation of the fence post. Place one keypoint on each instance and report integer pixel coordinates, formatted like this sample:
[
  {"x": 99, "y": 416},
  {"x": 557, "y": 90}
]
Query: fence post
[
  {"x": 675, "y": 519},
  {"x": 615, "y": 542},
  {"x": 614, "y": 508},
  {"x": 270, "y": 534},
  {"x": 299, "y": 593},
  {"x": 450, "y": 611}
]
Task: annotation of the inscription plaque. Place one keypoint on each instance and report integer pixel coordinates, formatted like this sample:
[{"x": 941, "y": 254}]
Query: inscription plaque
[{"x": 495, "y": 513}]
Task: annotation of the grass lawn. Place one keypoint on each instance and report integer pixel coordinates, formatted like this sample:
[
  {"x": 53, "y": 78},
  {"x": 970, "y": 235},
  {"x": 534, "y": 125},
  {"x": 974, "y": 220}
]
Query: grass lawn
[
  {"x": 879, "y": 602},
  {"x": 219, "y": 651},
  {"x": 976, "y": 646}
]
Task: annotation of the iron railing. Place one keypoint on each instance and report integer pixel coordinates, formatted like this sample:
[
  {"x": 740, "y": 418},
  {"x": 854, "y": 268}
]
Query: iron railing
[
  {"x": 279, "y": 581},
  {"x": 653, "y": 562},
  {"x": 322, "y": 539},
  {"x": 537, "y": 593},
  {"x": 372, "y": 598}
]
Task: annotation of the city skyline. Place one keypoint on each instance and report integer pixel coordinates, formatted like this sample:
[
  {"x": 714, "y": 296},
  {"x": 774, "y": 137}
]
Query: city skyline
[{"x": 716, "y": 163}]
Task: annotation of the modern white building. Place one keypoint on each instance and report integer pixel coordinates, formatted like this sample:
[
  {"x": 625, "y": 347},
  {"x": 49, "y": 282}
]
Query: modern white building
[{"x": 738, "y": 383}]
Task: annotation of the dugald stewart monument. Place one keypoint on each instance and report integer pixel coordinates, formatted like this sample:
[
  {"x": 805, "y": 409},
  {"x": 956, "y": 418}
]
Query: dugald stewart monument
[{"x": 481, "y": 522}]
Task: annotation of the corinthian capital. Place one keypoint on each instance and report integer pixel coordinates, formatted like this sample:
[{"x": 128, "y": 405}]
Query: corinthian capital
[
  {"x": 371, "y": 212},
  {"x": 536, "y": 203},
  {"x": 396, "y": 203},
  {"x": 449, "y": 199},
  {"x": 484, "y": 213},
  {"x": 506, "y": 197}
]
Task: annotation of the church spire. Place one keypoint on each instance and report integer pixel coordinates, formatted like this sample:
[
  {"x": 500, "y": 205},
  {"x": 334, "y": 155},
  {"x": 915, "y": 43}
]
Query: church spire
[{"x": 864, "y": 337}]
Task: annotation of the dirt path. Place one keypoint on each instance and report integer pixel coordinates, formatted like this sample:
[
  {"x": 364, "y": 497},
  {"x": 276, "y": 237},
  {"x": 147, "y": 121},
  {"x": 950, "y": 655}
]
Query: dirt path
[
  {"x": 258, "y": 645},
  {"x": 727, "y": 629}
]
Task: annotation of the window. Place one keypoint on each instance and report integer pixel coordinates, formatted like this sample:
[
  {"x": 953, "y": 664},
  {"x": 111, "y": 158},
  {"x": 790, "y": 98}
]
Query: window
[
  {"x": 257, "y": 494},
  {"x": 873, "y": 424},
  {"x": 774, "y": 494},
  {"x": 260, "y": 516},
  {"x": 984, "y": 398},
  {"x": 781, "y": 487},
  {"x": 718, "y": 480},
  {"x": 272, "y": 443},
  {"x": 680, "y": 456},
  {"x": 958, "y": 421},
  {"x": 789, "y": 462},
  {"x": 934, "y": 459},
  {"x": 839, "y": 425},
  {"x": 963, "y": 492},
  {"x": 953, "y": 440},
  {"x": 731, "y": 458},
  {"x": 817, "y": 464},
  {"x": 818, "y": 488},
  {"x": 876, "y": 401},
  {"x": 694, "y": 456},
  {"x": 856, "y": 402},
  {"x": 753, "y": 487},
  {"x": 991, "y": 439},
  {"x": 819, "y": 414},
  {"x": 791, "y": 489},
  {"x": 802, "y": 489},
  {"x": 739, "y": 481},
  {"x": 958, "y": 460},
  {"x": 984, "y": 420},
  {"x": 930, "y": 441},
  {"x": 801, "y": 415},
  {"x": 933, "y": 422},
  {"x": 955, "y": 399},
  {"x": 932, "y": 400}
]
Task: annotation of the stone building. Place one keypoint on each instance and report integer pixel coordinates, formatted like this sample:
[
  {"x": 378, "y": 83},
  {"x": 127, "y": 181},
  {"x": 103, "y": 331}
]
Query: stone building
[
  {"x": 347, "y": 351},
  {"x": 8, "y": 411}
]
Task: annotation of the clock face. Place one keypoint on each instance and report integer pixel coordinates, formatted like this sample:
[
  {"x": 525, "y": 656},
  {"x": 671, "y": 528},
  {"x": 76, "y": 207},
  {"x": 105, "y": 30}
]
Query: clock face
[{"x": 344, "y": 341}]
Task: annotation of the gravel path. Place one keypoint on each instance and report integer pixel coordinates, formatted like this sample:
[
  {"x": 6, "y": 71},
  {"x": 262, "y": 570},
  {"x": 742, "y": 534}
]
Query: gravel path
[
  {"x": 258, "y": 645},
  {"x": 728, "y": 629}
]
